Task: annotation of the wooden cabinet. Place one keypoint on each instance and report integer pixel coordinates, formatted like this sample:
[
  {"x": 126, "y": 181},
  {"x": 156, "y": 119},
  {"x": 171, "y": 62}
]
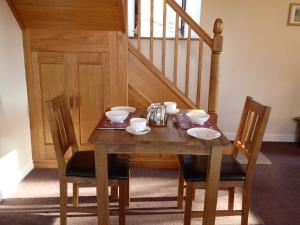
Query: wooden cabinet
[
  {"x": 83, "y": 78},
  {"x": 86, "y": 66}
]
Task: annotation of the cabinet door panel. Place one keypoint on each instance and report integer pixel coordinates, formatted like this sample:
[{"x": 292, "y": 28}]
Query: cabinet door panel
[
  {"x": 52, "y": 84},
  {"x": 51, "y": 79},
  {"x": 92, "y": 83}
]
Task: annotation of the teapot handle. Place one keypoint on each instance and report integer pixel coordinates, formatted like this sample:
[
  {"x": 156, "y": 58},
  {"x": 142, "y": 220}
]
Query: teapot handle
[{"x": 149, "y": 113}]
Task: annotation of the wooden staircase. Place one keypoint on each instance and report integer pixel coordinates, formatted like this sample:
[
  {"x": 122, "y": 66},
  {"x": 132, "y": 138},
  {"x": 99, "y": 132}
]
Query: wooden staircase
[{"x": 149, "y": 83}]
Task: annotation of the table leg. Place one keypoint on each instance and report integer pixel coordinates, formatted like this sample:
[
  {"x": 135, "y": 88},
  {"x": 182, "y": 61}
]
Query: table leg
[
  {"x": 211, "y": 193},
  {"x": 102, "y": 185}
]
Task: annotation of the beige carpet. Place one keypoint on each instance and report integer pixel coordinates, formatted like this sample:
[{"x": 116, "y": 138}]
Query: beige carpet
[{"x": 153, "y": 201}]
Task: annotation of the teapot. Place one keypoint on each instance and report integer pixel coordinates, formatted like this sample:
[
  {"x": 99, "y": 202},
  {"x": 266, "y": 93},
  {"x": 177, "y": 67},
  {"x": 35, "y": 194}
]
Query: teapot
[{"x": 157, "y": 115}]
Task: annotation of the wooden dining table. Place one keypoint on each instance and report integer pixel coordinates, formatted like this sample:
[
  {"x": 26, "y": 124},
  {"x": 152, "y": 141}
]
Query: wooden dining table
[{"x": 169, "y": 139}]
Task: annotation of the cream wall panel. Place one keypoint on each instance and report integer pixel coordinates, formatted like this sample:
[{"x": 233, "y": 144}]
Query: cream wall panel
[
  {"x": 260, "y": 58},
  {"x": 15, "y": 143}
]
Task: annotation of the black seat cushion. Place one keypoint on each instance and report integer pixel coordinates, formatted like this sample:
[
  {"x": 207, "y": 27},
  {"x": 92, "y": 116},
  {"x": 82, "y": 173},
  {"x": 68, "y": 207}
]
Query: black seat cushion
[
  {"x": 195, "y": 167},
  {"x": 82, "y": 164}
]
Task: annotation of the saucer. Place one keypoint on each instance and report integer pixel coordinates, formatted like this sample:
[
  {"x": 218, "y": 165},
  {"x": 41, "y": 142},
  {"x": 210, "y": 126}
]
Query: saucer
[
  {"x": 147, "y": 129},
  {"x": 173, "y": 111},
  {"x": 203, "y": 133}
]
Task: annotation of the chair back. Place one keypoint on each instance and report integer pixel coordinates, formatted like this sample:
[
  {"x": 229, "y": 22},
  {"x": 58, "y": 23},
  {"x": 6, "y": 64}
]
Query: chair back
[
  {"x": 251, "y": 131},
  {"x": 62, "y": 129}
]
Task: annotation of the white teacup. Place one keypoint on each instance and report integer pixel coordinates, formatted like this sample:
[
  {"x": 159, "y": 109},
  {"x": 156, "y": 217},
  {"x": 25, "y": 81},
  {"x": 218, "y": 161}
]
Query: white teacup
[
  {"x": 170, "y": 106},
  {"x": 138, "y": 124}
]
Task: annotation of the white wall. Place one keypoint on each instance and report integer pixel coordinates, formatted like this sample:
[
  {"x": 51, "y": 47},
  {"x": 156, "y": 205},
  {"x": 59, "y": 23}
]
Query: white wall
[
  {"x": 261, "y": 58},
  {"x": 15, "y": 144}
]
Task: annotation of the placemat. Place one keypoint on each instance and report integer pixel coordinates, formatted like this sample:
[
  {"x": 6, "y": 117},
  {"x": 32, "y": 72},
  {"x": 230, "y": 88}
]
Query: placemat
[
  {"x": 184, "y": 123},
  {"x": 105, "y": 123}
]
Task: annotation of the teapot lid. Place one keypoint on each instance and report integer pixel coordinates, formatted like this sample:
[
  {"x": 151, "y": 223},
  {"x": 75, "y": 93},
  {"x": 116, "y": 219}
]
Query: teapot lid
[{"x": 155, "y": 105}]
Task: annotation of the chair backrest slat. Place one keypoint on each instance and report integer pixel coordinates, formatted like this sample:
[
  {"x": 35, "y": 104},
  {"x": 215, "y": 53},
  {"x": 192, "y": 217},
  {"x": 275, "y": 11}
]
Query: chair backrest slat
[
  {"x": 245, "y": 132},
  {"x": 251, "y": 130},
  {"x": 62, "y": 128}
]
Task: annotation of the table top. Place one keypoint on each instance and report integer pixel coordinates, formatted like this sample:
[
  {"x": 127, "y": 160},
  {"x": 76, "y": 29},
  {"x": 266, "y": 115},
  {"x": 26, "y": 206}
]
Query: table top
[{"x": 167, "y": 135}]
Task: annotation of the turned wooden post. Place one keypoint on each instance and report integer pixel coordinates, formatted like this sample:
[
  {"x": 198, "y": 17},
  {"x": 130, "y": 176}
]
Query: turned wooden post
[{"x": 214, "y": 69}]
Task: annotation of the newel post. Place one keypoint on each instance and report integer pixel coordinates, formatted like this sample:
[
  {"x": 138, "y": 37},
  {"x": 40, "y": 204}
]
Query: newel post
[{"x": 217, "y": 44}]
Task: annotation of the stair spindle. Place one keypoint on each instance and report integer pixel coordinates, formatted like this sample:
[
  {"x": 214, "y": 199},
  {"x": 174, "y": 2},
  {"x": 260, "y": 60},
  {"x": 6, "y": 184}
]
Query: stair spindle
[
  {"x": 187, "y": 67},
  {"x": 163, "y": 60},
  {"x": 139, "y": 26},
  {"x": 199, "y": 73},
  {"x": 151, "y": 29},
  {"x": 176, "y": 50}
]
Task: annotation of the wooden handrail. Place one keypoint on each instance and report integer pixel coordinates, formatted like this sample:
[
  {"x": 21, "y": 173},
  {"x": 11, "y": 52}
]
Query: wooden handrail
[{"x": 189, "y": 20}]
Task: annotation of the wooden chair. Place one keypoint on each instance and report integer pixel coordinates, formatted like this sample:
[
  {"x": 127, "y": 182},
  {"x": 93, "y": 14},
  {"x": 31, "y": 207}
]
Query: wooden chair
[
  {"x": 248, "y": 141},
  {"x": 80, "y": 168}
]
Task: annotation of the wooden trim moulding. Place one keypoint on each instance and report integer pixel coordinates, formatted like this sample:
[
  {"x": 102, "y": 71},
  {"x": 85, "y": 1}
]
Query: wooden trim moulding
[
  {"x": 15, "y": 13},
  {"x": 30, "y": 93}
]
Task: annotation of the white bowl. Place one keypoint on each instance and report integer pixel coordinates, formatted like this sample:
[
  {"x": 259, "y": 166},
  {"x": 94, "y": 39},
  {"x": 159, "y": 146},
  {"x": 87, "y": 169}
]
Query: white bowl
[
  {"x": 117, "y": 115},
  {"x": 198, "y": 117},
  {"x": 124, "y": 108}
]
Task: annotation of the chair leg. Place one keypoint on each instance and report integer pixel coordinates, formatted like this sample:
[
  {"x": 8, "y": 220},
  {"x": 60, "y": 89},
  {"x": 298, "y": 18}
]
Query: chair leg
[
  {"x": 230, "y": 198},
  {"x": 114, "y": 193},
  {"x": 245, "y": 206},
  {"x": 63, "y": 201},
  {"x": 180, "y": 190},
  {"x": 188, "y": 203},
  {"x": 122, "y": 201},
  {"x": 127, "y": 193},
  {"x": 75, "y": 195},
  {"x": 194, "y": 194}
]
